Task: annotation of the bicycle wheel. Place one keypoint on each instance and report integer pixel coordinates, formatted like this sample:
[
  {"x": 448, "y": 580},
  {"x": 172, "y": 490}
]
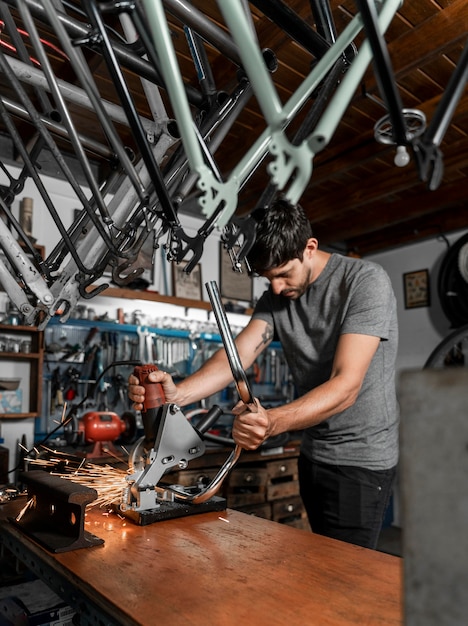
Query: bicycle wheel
[
  {"x": 453, "y": 283},
  {"x": 451, "y": 351}
]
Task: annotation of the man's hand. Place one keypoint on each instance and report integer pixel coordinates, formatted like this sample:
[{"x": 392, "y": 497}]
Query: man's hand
[
  {"x": 251, "y": 428},
  {"x": 136, "y": 392}
]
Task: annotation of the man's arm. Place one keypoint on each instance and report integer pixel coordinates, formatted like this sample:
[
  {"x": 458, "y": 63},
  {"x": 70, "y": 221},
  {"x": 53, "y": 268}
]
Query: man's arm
[
  {"x": 214, "y": 375},
  {"x": 352, "y": 359}
]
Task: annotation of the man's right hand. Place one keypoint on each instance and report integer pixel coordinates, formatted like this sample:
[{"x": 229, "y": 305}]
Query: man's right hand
[{"x": 136, "y": 391}]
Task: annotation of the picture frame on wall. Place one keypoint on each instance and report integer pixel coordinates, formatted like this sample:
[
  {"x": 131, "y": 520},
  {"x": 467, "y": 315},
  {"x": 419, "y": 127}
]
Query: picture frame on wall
[
  {"x": 185, "y": 285},
  {"x": 416, "y": 289},
  {"x": 233, "y": 285}
]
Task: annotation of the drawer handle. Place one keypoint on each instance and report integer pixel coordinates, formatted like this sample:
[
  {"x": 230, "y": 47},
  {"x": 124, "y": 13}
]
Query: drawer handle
[{"x": 283, "y": 468}]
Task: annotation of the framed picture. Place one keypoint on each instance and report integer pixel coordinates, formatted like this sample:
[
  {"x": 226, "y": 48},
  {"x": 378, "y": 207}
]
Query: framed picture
[
  {"x": 186, "y": 285},
  {"x": 416, "y": 286},
  {"x": 233, "y": 285}
]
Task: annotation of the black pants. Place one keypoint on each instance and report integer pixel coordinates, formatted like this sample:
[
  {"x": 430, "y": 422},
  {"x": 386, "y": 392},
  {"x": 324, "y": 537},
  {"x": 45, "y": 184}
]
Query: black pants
[{"x": 343, "y": 502}]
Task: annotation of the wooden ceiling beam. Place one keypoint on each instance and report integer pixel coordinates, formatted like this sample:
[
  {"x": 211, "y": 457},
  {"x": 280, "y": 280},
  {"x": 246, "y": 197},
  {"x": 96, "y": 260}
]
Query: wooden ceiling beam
[
  {"x": 440, "y": 223},
  {"x": 380, "y": 186},
  {"x": 365, "y": 148},
  {"x": 353, "y": 223},
  {"x": 428, "y": 40}
]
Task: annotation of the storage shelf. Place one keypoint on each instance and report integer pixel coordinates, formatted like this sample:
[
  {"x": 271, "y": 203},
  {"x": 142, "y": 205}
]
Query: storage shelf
[
  {"x": 35, "y": 358},
  {"x": 154, "y": 296},
  {"x": 16, "y": 416},
  {"x": 20, "y": 356}
]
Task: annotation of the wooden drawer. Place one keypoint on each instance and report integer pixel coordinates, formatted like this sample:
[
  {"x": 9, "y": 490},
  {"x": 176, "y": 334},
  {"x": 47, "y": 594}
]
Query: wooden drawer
[
  {"x": 248, "y": 477},
  {"x": 281, "y": 470},
  {"x": 300, "y": 522},
  {"x": 290, "y": 511},
  {"x": 259, "y": 510},
  {"x": 283, "y": 480},
  {"x": 246, "y": 486},
  {"x": 187, "y": 478},
  {"x": 286, "y": 508},
  {"x": 236, "y": 499},
  {"x": 284, "y": 489}
]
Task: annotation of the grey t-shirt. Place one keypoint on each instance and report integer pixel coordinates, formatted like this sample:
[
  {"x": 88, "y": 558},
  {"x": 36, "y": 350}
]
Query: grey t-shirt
[{"x": 349, "y": 296}]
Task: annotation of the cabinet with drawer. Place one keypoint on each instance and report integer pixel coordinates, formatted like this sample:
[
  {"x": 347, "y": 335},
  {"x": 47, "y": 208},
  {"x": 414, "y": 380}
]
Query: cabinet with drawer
[
  {"x": 268, "y": 488},
  {"x": 263, "y": 483}
]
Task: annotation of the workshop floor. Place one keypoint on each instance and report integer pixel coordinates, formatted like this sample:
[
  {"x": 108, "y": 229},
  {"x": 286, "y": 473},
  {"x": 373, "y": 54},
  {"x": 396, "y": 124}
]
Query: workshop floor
[{"x": 390, "y": 541}]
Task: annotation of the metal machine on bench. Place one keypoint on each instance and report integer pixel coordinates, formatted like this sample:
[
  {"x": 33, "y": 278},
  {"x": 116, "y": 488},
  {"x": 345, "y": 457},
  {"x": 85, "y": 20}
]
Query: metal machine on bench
[{"x": 171, "y": 441}]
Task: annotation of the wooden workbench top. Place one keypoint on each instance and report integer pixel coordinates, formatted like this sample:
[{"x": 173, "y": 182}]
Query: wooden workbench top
[{"x": 223, "y": 569}]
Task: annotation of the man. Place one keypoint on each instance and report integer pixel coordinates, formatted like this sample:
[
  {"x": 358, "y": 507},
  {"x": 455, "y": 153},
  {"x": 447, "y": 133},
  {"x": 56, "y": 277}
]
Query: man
[{"x": 335, "y": 317}]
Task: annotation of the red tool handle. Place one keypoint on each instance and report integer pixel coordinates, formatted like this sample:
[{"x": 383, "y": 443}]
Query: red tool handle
[{"x": 154, "y": 393}]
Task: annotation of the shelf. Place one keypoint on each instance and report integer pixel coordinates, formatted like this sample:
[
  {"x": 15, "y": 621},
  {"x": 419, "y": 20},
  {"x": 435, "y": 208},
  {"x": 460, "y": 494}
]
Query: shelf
[
  {"x": 19, "y": 356},
  {"x": 17, "y": 416},
  {"x": 109, "y": 326},
  {"x": 35, "y": 360},
  {"x": 14, "y": 328},
  {"x": 154, "y": 296}
]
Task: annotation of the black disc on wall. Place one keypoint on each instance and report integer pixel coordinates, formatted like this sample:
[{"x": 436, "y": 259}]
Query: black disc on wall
[{"x": 453, "y": 283}]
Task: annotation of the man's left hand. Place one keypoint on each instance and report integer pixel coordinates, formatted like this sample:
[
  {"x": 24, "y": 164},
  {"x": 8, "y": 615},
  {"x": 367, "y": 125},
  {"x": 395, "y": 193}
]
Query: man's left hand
[{"x": 251, "y": 426}]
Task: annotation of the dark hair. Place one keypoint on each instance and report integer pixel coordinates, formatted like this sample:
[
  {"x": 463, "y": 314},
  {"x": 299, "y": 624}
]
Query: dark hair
[{"x": 282, "y": 233}]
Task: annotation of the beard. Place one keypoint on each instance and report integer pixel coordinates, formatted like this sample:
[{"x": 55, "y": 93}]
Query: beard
[{"x": 293, "y": 293}]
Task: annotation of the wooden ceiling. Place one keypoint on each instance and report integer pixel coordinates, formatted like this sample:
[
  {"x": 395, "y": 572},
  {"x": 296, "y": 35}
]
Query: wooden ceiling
[{"x": 357, "y": 200}]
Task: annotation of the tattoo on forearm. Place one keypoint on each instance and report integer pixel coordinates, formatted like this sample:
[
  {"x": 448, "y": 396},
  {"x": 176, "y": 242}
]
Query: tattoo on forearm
[{"x": 267, "y": 336}]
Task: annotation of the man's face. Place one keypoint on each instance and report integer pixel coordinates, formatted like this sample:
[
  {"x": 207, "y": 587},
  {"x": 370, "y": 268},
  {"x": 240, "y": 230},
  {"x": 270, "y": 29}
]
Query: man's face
[{"x": 290, "y": 279}]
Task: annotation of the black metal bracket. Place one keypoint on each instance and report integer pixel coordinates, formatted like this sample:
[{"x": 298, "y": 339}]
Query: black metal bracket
[
  {"x": 173, "y": 510},
  {"x": 56, "y": 515}
]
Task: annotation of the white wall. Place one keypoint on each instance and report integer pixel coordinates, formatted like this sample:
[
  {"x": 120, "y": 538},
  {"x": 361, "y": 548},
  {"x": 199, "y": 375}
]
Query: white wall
[{"x": 421, "y": 329}]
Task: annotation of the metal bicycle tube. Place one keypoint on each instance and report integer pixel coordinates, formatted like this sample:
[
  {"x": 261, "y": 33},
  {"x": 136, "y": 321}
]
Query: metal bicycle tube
[
  {"x": 86, "y": 78},
  {"x": 444, "y": 111},
  {"x": 60, "y": 103},
  {"x": 131, "y": 112},
  {"x": 126, "y": 57},
  {"x": 194, "y": 18},
  {"x": 282, "y": 15},
  {"x": 238, "y": 372},
  {"x": 383, "y": 69},
  {"x": 324, "y": 19},
  {"x": 173, "y": 80},
  {"x": 335, "y": 110}
]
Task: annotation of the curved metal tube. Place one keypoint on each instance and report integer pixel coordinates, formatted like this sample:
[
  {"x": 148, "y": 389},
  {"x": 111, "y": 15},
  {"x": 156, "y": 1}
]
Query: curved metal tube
[
  {"x": 240, "y": 377},
  {"x": 215, "y": 484}
]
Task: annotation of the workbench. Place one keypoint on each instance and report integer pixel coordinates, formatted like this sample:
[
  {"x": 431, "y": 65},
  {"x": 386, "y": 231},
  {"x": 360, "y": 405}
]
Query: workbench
[{"x": 218, "y": 568}]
